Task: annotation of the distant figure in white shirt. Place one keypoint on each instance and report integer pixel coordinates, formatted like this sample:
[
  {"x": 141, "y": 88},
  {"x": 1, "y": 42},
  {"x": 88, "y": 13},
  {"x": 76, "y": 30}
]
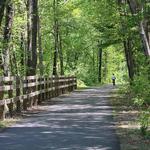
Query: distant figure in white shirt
[{"x": 113, "y": 80}]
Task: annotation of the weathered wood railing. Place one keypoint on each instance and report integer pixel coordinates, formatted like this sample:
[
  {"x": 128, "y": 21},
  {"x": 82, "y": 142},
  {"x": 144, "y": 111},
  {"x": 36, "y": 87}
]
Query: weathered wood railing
[{"x": 17, "y": 94}]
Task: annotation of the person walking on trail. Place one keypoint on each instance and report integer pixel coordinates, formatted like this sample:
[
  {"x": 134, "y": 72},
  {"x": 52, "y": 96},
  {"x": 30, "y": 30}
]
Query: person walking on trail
[{"x": 113, "y": 80}]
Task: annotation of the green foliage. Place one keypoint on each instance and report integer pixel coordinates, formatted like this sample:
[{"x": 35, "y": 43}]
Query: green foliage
[
  {"x": 81, "y": 84},
  {"x": 116, "y": 64},
  {"x": 144, "y": 121},
  {"x": 141, "y": 89},
  {"x": 141, "y": 83},
  {"x": 82, "y": 25}
]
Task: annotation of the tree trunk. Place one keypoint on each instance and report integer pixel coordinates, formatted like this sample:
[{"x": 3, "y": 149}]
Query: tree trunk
[
  {"x": 41, "y": 66},
  {"x": 7, "y": 36},
  {"x": 61, "y": 55},
  {"x": 127, "y": 46},
  {"x": 56, "y": 42},
  {"x": 2, "y": 110},
  {"x": 93, "y": 61},
  {"x": 145, "y": 39},
  {"x": 6, "y": 48},
  {"x": 32, "y": 32},
  {"x": 23, "y": 54},
  {"x": 105, "y": 66},
  {"x": 2, "y": 8},
  {"x": 129, "y": 58},
  {"x": 100, "y": 65},
  {"x": 135, "y": 8},
  {"x": 32, "y": 7},
  {"x": 13, "y": 64}
]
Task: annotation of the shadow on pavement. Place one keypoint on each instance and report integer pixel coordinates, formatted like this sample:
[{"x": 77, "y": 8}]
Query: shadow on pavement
[{"x": 81, "y": 121}]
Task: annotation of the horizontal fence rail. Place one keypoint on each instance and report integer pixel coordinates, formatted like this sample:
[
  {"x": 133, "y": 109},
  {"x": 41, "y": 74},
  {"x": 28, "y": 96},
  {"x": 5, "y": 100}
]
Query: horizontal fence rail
[{"x": 17, "y": 94}]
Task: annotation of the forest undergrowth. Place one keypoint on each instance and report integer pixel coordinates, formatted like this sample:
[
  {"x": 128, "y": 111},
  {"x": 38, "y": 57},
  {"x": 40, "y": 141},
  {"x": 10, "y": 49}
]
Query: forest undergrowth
[{"x": 130, "y": 120}]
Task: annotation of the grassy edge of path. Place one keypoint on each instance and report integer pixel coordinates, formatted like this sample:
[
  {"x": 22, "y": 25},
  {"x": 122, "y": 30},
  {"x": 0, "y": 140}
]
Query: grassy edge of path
[
  {"x": 7, "y": 123},
  {"x": 126, "y": 117}
]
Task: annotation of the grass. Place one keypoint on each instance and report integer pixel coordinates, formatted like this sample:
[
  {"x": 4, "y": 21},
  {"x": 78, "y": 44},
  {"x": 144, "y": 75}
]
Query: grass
[
  {"x": 128, "y": 128},
  {"x": 81, "y": 84},
  {"x": 7, "y": 123}
]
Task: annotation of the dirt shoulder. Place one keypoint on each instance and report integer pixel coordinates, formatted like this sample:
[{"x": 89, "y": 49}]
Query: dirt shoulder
[{"x": 128, "y": 131}]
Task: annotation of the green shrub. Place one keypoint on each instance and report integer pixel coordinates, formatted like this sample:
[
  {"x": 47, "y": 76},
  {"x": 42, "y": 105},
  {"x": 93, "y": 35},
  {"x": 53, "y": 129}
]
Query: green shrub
[
  {"x": 141, "y": 91},
  {"x": 144, "y": 121}
]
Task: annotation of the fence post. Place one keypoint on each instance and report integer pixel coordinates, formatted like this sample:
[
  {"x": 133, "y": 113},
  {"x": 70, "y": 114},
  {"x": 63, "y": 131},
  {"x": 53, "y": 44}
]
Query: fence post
[
  {"x": 75, "y": 86},
  {"x": 68, "y": 84},
  {"x": 50, "y": 86},
  {"x": 53, "y": 86},
  {"x": 39, "y": 89},
  {"x": 57, "y": 86},
  {"x": 2, "y": 112},
  {"x": 68, "y": 89},
  {"x": 25, "y": 91},
  {"x": 71, "y": 84},
  {"x": 42, "y": 88},
  {"x": 18, "y": 87},
  {"x": 10, "y": 95},
  {"x": 30, "y": 90},
  {"x": 63, "y": 83},
  {"x": 46, "y": 87},
  {"x": 35, "y": 98}
]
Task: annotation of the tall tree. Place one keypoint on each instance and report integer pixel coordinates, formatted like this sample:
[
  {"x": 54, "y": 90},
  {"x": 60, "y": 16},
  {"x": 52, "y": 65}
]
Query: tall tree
[
  {"x": 60, "y": 50},
  {"x": 41, "y": 66},
  {"x": 129, "y": 58},
  {"x": 138, "y": 7},
  {"x": 100, "y": 63},
  {"x": 128, "y": 48},
  {"x": 56, "y": 36},
  {"x": 7, "y": 37},
  {"x": 105, "y": 56},
  {"x": 2, "y": 8},
  {"x": 32, "y": 8}
]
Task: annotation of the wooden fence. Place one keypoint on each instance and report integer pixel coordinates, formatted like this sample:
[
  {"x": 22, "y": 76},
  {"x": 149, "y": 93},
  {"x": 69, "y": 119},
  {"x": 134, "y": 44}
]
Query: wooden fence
[{"x": 17, "y": 94}]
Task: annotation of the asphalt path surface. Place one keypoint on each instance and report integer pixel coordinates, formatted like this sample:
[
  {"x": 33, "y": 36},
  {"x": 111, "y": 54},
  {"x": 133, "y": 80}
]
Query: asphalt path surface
[{"x": 80, "y": 121}]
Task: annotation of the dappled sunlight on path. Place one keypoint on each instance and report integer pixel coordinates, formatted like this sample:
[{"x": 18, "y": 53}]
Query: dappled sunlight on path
[{"x": 80, "y": 121}]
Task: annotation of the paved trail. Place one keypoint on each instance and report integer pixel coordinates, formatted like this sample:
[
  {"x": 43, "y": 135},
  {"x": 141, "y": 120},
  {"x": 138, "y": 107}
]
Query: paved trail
[{"x": 80, "y": 121}]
